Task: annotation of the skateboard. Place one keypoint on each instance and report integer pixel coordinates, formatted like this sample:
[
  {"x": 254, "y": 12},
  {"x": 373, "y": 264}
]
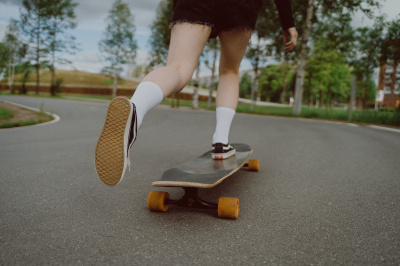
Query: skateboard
[{"x": 202, "y": 172}]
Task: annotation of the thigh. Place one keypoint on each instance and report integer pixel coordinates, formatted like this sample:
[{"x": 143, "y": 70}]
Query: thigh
[
  {"x": 233, "y": 47},
  {"x": 187, "y": 43}
]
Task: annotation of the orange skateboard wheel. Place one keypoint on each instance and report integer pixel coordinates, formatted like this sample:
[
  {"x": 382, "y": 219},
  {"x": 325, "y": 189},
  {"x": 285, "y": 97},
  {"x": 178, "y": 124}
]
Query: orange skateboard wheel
[
  {"x": 156, "y": 201},
  {"x": 254, "y": 165},
  {"x": 228, "y": 208}
]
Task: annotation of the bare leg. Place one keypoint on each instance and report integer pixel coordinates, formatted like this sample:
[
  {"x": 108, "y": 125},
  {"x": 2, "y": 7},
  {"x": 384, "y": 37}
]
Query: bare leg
[
  {"x": 187, "y": 43},
  {"x": 233, "y": 48}
]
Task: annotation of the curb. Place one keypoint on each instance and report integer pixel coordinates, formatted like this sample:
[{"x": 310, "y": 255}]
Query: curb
[
  {"x": 385, "y": 128},
  {"x": 56, "y": 118}
]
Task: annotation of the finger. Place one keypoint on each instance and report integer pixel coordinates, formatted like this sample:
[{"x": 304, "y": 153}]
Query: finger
[
  {"x": 291, "y": 43},
  {"x": 290, "y": 46}
]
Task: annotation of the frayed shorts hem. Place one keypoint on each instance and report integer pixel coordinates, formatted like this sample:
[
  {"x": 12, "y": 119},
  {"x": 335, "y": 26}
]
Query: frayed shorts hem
[{"x": 214, "y": 33}]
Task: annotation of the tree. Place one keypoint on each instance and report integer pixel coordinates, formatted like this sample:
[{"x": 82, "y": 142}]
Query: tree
[
  {"x": 11, "y": 40},
  {"x": 245, "y": 86},
  {"x": 61, "y": 15},
  {"x": 259, "y": 47},
  {"x": 161, "y": 34},
  {"x": 327, "y": 76},
  {"x": 161, "y": 37},
  {"x": 118, "y": 45},
  {"x": 3, "y": 59},
  {"x": 367, "y": 57},
  {"x": 210, "y": 55},
  {"x": 392, "y": 46},
  {"x": 33, "y": 24},
  {"x": 316, "y": 10},
  {"x": 274, "y": 80}
]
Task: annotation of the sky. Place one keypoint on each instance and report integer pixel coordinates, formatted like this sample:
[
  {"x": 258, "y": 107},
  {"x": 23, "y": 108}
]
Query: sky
[{"x": 91, "y": 16}]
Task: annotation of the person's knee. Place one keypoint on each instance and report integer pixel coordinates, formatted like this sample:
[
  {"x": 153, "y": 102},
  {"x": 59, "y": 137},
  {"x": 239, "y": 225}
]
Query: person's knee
[{"x": 184, "y": 73}]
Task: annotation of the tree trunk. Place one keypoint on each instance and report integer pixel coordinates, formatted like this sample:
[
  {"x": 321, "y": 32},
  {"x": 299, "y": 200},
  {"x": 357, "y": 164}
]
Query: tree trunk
[
  {"x": 195, "y": 102},
  {"x": 53, "y": 85},
  {"x": 12, "y": 69},
  {"x": 9, "y": 74},
  {"x": 212, "y": 81},
  {"x": 37, "y": 60},
  {"x": 254, "y": 89},
  {"x": 298, "y": 97},
  {"x": 352, "y": 98},
  {"x": 53, "y": 59},
  {"x": 37, "y": 77},
  {"x": 284, "y": 85},
  {"x": 255, "y": 83},
  {"x": 114, "y": 93}
]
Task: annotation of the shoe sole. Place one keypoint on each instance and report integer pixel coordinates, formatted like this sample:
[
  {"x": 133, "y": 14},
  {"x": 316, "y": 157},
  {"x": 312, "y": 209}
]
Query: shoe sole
[
  {"x": 111, "y": 149},
  {"x": 223, "y": 156}
]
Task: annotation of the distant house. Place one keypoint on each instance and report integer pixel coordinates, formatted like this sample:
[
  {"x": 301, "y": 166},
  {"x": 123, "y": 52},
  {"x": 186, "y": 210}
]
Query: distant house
[{"x": 389, "y": 81}]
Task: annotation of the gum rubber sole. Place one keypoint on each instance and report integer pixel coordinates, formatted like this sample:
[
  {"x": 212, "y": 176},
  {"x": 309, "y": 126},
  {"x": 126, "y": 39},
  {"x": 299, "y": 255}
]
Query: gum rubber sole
[{"x": 111, "y": 149}]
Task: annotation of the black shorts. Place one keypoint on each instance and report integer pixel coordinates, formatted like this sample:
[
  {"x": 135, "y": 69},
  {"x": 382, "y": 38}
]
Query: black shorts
[{"x": 221, "y": 15}]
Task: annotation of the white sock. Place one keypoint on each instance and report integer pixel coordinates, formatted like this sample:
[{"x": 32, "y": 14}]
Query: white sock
[
  {"x": 147, "y": 96},
  {"x": 224, "y": 117}
]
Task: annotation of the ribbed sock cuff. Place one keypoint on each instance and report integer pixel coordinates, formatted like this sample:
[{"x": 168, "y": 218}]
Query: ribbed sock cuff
[
  {"x": 147, "y": 96},
  {"x": 224, "y": 116}
]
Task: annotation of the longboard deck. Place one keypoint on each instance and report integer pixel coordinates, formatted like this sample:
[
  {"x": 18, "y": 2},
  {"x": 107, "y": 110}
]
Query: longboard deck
[{"x": 204, "y": 172}]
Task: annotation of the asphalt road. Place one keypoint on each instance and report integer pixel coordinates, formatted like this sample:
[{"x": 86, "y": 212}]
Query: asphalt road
[{"x": 327, "y": 193}]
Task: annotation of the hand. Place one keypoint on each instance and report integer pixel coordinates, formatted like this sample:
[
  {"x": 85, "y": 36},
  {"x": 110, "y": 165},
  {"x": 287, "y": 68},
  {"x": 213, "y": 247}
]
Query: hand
[{"x": 292, "y": 33}]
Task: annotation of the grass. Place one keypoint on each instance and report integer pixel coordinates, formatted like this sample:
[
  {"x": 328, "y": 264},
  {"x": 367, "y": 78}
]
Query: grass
[
  {"x": 6, "y": 113},
  {"x": 42, "y": 117},
  {"x": 63, "y": 96},
  {"x": 74, "y": 78},
  {"x": 19, "y": 124},
  {"x": 359, "y": 116},
  {"x": 36, "y": 118}
]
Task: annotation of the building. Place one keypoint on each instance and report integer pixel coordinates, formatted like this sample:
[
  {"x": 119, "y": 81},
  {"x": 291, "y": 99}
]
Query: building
[{"x": 389, "y": 82}]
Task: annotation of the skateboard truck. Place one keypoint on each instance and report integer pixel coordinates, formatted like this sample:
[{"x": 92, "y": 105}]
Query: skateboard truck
[
  {"x": 191, "y": 199},
  {"x": 227, "y": 207}
]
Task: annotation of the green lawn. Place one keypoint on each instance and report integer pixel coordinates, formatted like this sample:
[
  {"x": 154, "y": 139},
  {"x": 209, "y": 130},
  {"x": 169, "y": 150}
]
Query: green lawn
[{"x": 5, "y": 113}]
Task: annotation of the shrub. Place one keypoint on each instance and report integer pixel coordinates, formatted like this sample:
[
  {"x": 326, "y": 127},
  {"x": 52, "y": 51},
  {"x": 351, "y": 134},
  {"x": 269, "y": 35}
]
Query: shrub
[
  {"x": 396, "y": 117},
  {"x": 386, "y": 109}
]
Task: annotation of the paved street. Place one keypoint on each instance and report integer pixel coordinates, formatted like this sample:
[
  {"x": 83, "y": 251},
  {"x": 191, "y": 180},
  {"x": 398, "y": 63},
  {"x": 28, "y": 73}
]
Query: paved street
[{"x": 327, "y": 193}]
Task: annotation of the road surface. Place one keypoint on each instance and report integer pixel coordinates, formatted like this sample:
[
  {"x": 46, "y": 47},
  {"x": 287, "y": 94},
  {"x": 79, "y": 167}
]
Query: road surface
[{"x": 327, "y": 193}]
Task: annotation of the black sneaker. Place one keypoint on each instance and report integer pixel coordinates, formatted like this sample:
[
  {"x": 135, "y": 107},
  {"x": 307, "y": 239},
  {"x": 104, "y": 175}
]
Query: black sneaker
[
  {"x": 116, "y": 138},
  {"x": 222, "y": 151}
]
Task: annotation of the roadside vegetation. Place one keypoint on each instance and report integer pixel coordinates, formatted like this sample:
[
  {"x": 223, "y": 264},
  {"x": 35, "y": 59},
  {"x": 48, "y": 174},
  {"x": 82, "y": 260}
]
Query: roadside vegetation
[
  {"x": 15, "y": 116},
  {"x": 388, "y": 117}
]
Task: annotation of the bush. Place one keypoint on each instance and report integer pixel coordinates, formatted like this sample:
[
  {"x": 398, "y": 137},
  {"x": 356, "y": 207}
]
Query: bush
[
  {"x": 373, "y": 117},
  {"x": 386, "y": 109},
  {"x": 56, "y": 88},
  {"x": 396, "y": 117}
]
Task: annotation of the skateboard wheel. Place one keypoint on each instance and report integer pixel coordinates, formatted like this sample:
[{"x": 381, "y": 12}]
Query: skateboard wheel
[
  {"x": 156, "y": 201},
  {"x": 228, "y": 208},
  {"x": 254, "y": 165}
]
